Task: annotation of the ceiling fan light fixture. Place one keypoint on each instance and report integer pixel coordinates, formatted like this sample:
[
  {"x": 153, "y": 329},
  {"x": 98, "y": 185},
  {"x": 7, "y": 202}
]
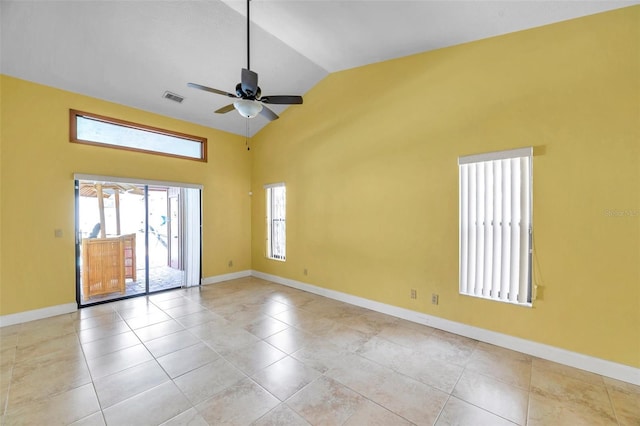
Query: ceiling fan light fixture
[{"x": 247, "y": 108}]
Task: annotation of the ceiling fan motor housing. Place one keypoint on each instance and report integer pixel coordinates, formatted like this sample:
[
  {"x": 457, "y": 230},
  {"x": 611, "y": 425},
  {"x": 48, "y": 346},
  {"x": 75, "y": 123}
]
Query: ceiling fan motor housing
[{"x": 247, "y": 94}]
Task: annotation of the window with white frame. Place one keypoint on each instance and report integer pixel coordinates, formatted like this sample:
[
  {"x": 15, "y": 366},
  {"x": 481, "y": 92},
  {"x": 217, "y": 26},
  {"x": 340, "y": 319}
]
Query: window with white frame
[
  {"x": 276, "y": 220},
  {"x": 496, "y": 226}
]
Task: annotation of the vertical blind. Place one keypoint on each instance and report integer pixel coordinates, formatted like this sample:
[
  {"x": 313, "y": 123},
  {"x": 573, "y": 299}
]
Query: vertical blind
[{"x": 495, "y": 225}]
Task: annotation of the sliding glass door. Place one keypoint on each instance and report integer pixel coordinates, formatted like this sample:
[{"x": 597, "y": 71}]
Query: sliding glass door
[{"x": 134, "y": 238}]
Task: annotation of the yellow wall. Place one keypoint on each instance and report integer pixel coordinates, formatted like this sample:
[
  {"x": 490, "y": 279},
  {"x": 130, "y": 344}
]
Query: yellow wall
[
  {"x": 370, "y": 166},
  {"x": 37, "y": 189}
]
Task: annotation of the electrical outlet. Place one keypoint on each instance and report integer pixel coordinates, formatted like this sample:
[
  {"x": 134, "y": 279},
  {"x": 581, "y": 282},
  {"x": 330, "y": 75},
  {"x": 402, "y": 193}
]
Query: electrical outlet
[
  {"x": 434, "y": 299},
  {"x": 305, "y": 271},
  {"x": 230, "y": 263},
  {"x": 57, "y": 233},
  {"x": 414, "y": 293}
]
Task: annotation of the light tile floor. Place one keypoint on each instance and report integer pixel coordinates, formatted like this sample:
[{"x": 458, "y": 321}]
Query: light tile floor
[{"x": 252, "y": 352}]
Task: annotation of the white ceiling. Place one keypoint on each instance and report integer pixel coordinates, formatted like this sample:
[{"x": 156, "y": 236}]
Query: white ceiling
[{"x": 131, "y": 52}]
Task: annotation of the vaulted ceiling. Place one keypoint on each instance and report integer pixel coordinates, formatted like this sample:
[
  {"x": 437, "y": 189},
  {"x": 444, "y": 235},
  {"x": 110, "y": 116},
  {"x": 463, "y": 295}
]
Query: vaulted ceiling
[{"x": 131, "y": 52}]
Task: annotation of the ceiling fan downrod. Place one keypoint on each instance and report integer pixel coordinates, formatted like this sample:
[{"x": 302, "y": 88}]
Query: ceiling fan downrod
[{"x": 248, "y": 38}]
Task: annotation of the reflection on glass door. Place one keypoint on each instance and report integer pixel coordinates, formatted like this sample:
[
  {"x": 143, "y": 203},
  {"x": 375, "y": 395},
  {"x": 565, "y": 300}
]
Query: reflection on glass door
[
  {"x": 119, "y": 226},
  {"x": 162, "y": 275}
]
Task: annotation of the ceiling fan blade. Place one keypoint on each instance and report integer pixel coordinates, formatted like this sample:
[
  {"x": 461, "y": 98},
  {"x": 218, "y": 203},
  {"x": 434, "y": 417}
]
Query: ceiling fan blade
[
  {"x": 224, "y": 109},
  {"x": 249, "y": 82},
  {"x": 282, "y": 100},
  {"x": 268, "y": 114},
  {"x": 209, "y": 89}
]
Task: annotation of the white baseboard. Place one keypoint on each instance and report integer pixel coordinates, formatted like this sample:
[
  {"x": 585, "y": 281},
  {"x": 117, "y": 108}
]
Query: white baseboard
[
  {"x": 36, "y": 314},
  {"x": 225, "y": 277},
  {"x": 562, "y": 356}
]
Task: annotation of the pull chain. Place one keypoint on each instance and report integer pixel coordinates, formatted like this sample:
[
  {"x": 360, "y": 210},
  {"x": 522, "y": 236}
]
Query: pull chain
[{"x": 246, "y": 138}]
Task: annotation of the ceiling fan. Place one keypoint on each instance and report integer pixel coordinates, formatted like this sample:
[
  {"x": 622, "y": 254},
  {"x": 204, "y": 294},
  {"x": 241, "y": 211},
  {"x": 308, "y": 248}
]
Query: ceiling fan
[{"x": 249, "y": 100}]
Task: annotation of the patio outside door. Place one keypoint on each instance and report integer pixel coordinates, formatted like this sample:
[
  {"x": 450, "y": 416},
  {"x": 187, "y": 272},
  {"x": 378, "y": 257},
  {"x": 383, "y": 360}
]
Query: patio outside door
[{"x": 128, "y": 234}]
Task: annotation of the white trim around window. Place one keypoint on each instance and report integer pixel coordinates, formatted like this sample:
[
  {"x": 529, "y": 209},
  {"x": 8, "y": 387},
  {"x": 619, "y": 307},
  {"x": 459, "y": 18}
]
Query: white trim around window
[{"x": 276, "y": 209}]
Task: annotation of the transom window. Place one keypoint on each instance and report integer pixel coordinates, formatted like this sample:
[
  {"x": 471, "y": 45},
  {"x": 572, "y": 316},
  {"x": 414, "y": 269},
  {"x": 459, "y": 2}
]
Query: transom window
[
  {"x": 93, "y": 129},
  {"x": 276, "y": 220},
  {"x": 496, "y": 226}
]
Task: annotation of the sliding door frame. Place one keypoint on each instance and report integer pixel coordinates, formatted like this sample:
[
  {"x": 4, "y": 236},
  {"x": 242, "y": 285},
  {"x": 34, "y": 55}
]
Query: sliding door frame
[{"x": 77, "y": 177}]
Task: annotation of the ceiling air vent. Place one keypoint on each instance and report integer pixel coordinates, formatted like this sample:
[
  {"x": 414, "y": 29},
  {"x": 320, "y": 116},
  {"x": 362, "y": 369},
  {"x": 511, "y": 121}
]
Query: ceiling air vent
[{"x": 173, "y": 97}]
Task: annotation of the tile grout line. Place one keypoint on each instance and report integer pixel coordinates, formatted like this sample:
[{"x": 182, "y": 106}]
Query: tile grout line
[
  {"x": 526, "y": 420},
  {"x": 452, "y": 389},
  {"x": 13, "y": 365},
  {"x": 613, "y": 406},
  {"x": 93, "y": 383}
]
